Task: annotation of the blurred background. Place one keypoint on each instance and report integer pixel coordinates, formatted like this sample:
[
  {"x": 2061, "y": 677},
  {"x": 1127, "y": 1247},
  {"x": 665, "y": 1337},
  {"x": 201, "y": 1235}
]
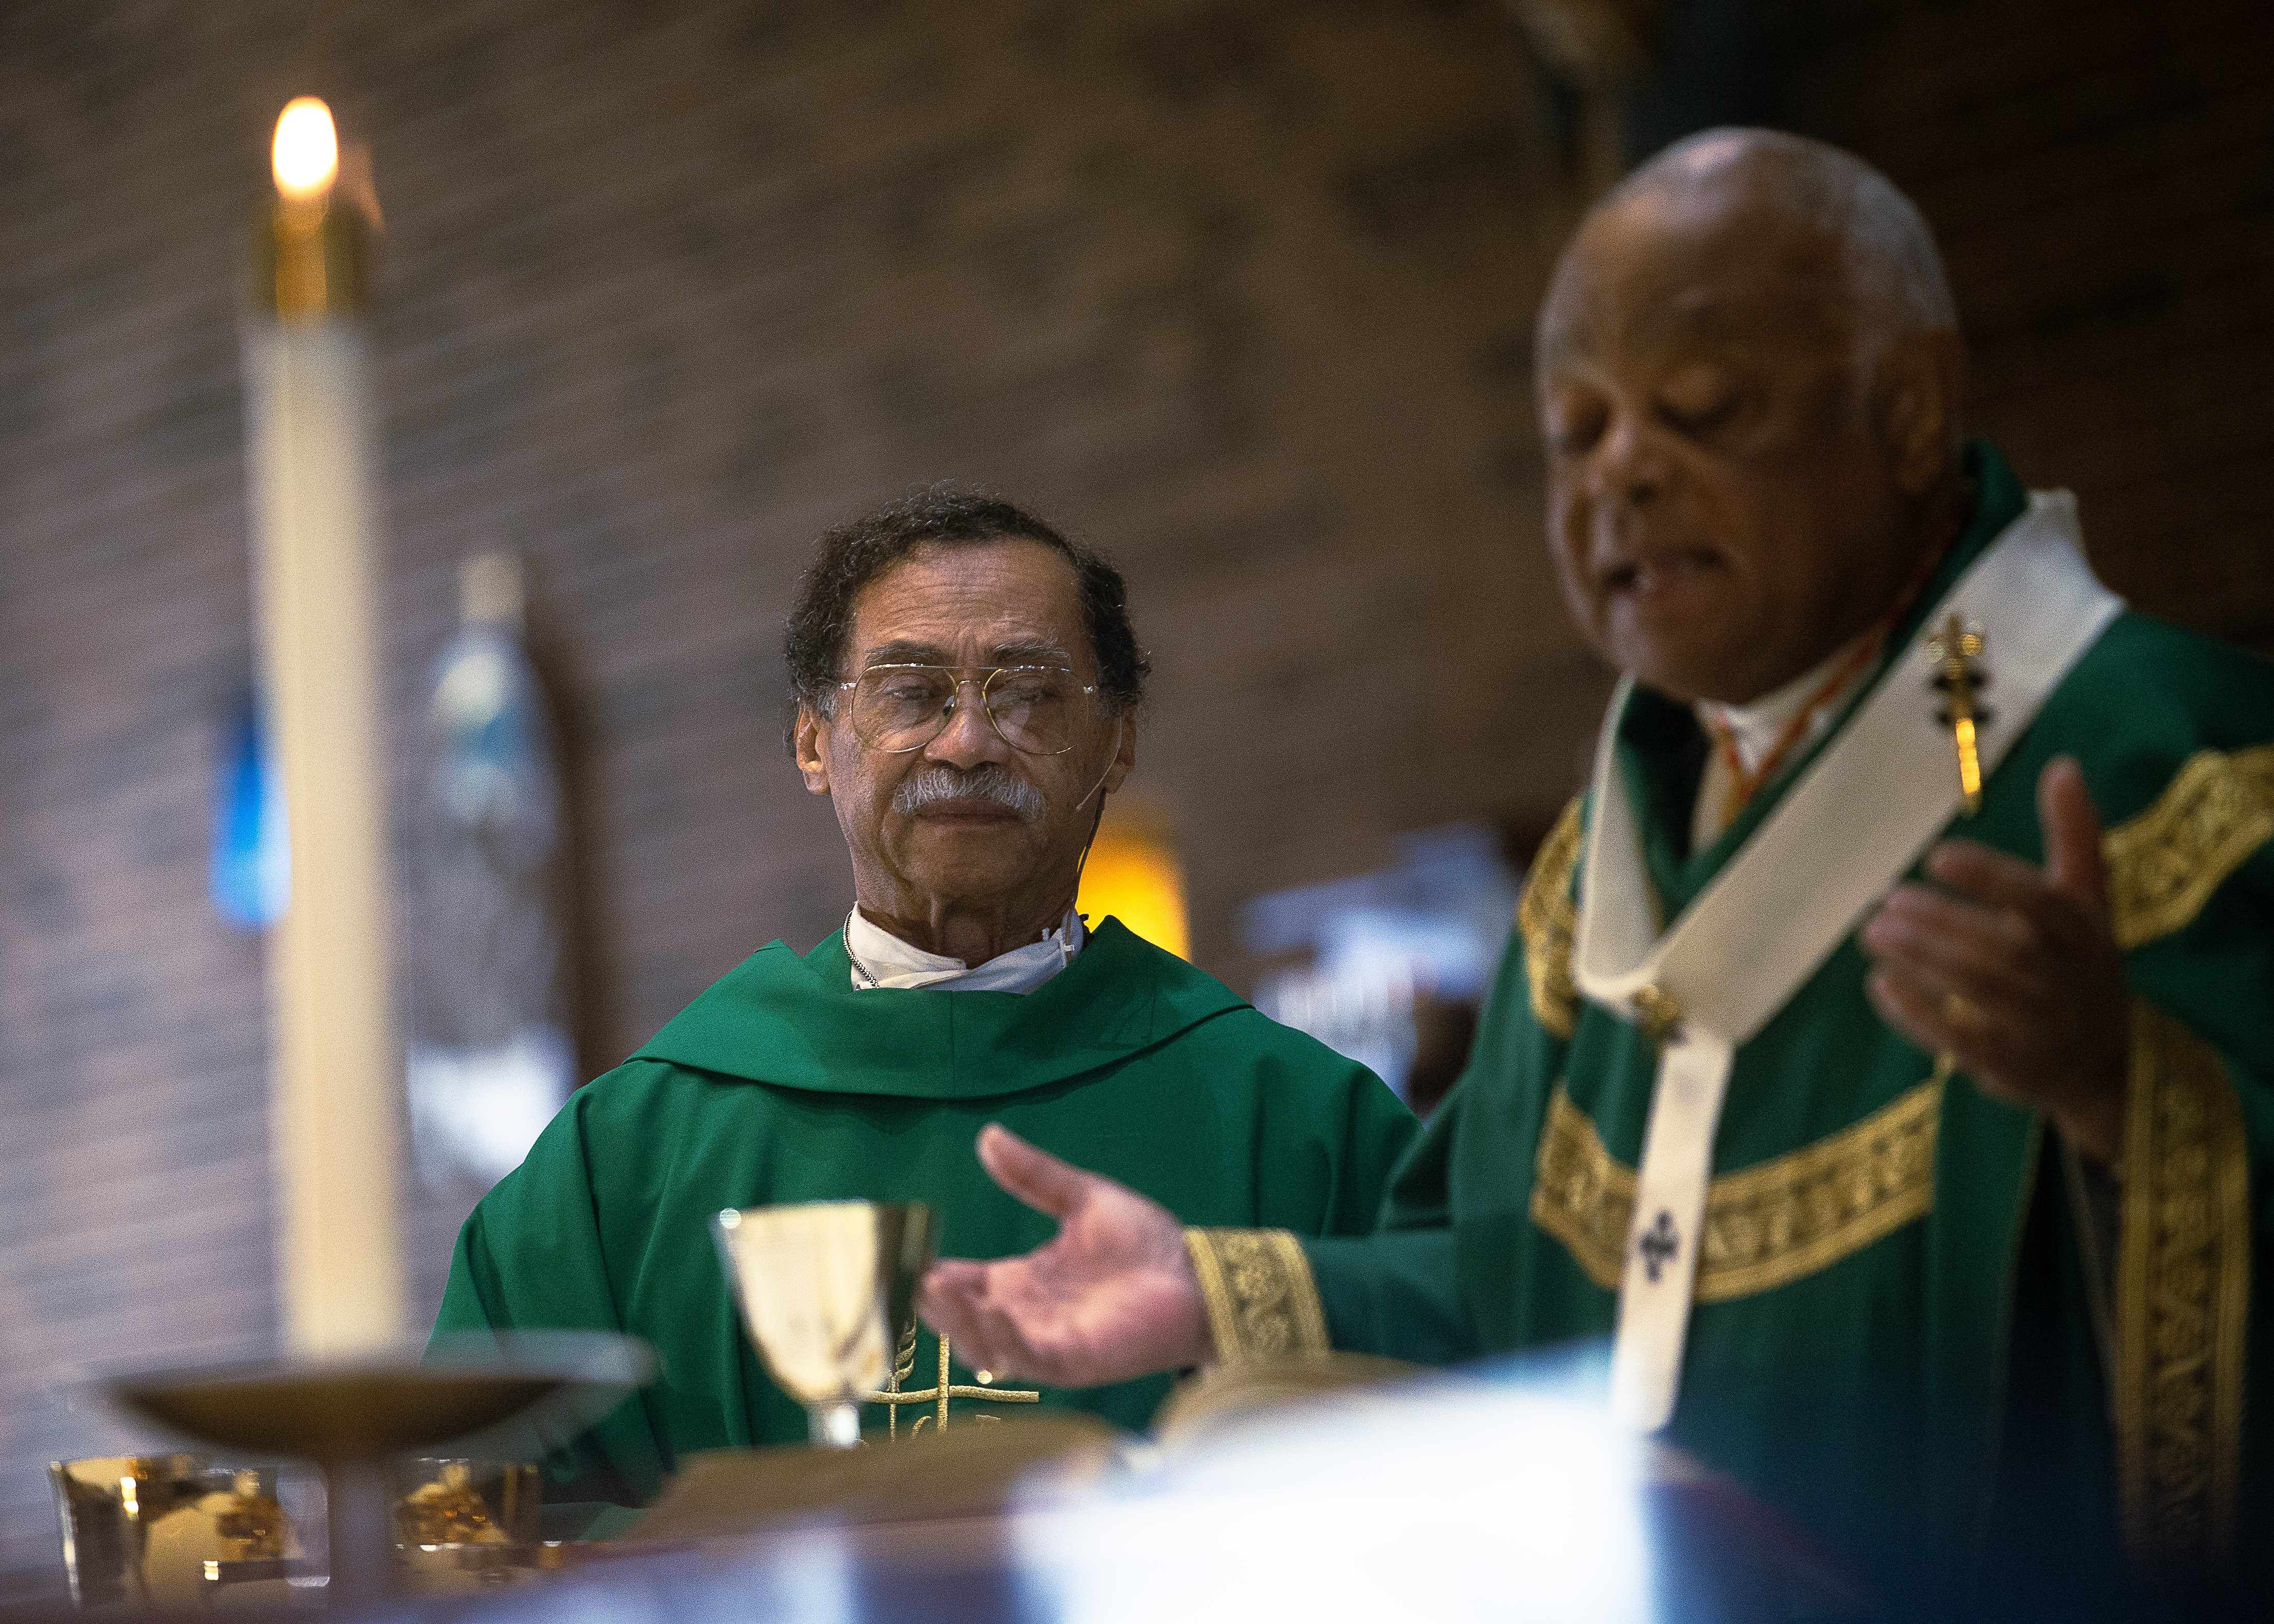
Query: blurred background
[{"x": 1239, "y": 290}]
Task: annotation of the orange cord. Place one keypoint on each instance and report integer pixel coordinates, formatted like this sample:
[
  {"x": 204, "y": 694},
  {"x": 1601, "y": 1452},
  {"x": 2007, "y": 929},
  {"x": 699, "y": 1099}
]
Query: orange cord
[{"x": 1744, "y": 784}]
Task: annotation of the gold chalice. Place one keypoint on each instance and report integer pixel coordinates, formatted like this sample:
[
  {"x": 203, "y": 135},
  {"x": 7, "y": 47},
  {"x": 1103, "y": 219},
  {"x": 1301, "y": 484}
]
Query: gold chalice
[{"x": 825, "y": 1289}]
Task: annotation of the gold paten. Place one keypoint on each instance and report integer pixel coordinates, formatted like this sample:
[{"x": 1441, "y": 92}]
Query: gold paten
[
  {"x": 2182, "y": 1296},
  {"x": 1765, "y": 1225},
  {"x": 2164, "y": 864}
]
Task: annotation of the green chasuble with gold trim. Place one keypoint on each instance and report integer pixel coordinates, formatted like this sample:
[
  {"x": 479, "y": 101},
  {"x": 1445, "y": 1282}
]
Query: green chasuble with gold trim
[
  {"x": 1903, "y": 1334},
  {"x": 782, "y": 1084}
]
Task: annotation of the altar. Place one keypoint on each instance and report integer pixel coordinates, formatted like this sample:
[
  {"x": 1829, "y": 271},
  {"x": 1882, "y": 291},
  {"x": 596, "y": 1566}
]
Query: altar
[{"x": 1492, "y": 1495}]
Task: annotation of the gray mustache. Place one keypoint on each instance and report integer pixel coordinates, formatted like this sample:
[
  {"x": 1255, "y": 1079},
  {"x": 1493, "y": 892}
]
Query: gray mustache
[{"x": 927, "y": 787}]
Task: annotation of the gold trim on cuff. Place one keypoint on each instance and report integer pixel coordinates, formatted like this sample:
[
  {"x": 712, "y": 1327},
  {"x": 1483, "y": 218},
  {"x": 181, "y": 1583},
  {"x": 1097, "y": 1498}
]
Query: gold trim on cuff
[
  {"x": 1546, "y": 916},
  {"x": 2164, "y": 864},
  {"x": 1767, "y": 1225},
  {"x": 2182, "y": 1295},
  {"x": 1262, "y": 1301}
]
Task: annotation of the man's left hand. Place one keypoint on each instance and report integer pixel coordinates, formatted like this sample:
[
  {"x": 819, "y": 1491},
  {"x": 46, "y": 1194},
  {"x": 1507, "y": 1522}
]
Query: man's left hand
[{"x": 2014, "y": 970}]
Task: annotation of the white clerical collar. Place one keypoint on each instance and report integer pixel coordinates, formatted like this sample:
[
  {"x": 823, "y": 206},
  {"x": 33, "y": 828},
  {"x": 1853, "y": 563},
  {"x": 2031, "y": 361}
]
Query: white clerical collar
[
  {"x": 882, "y": 959},
  {"x": 1756, "y": 728}
]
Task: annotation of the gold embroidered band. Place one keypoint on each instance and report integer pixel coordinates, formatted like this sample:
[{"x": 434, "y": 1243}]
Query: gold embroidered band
[
  {"x": 1546, "y": 916},
  {"x": 2182, "y": 1295},
  {"x": 1261, "y": 1301},
  {"x": 2164, "y": 865},
  {"x": 1766, "y": 1226}
]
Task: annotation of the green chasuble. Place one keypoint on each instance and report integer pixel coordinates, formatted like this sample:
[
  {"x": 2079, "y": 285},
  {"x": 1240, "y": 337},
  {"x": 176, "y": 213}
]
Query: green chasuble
[
  {"x": 783, "y": 1084},
  {"x": 1895, "y": 1336}
]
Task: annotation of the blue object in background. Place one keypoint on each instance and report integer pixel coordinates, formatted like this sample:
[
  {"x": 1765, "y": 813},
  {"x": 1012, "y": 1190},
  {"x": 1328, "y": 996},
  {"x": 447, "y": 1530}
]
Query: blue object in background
[
  {"x": 250, "y": 874},
  {"x": 1431, "y": 928},
  {"x": 488, "y": 1055}
]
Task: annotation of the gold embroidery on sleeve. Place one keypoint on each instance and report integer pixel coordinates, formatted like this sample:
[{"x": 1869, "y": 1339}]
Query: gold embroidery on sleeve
[
  {"x": 2164, "y": 865},
  {"x": 1262, "y": 1301},
  {"x": 2182, "y": 1295},
  {"x": 1547, "y": 916},
  {"x": 1767, "y": 1225}
]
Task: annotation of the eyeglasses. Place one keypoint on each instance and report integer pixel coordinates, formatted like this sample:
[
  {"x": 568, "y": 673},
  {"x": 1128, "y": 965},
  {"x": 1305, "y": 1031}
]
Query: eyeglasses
[{"x": 1036, "y": 710}]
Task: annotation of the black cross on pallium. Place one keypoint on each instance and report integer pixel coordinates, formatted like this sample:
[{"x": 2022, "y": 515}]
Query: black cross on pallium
[{"x": 1658, "y": 1245}]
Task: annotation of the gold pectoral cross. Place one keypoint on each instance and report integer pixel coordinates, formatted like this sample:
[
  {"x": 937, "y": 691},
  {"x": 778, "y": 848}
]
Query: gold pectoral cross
[
  {"x": 904, "y": 1364},
  {"x": 1956, "y": 651}
]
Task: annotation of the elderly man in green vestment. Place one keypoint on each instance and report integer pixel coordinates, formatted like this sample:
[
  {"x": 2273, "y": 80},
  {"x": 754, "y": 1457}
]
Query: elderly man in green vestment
[
  {"x": 1884, "y": 1061},
  {"x": 967, "y": 682}
]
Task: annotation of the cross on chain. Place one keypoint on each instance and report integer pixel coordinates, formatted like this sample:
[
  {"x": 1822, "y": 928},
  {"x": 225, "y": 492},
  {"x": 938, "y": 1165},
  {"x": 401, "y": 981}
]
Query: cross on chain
[
  {"x": 1956, "y": 651},
  {"x": 904, "y": 1362},
  {"x": 1658, "y": 1245}
]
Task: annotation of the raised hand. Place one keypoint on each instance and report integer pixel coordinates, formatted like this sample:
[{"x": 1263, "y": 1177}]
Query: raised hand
[
  {"x": 2014, "y": 970},
  {"x": 1112, "y": 1297}
]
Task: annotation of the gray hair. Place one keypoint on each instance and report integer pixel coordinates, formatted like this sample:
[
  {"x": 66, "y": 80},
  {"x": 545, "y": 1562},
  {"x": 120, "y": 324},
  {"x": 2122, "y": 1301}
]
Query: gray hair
[{"x": 935, "y": 782}]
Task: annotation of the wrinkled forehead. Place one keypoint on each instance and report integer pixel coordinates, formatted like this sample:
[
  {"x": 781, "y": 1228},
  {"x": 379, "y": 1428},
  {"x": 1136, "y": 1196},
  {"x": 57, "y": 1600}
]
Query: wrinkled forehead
[
  {"x": 1669, "y": 267},
  {"x": 1007, "y": 602}
]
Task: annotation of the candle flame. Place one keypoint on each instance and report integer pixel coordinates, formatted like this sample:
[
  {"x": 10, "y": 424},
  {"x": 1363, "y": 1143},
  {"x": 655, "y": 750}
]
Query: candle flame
[{"x": 306, "y": 154}]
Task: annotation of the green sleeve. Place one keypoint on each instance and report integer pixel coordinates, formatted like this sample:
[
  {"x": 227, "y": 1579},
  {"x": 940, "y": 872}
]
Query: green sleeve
[
  {"x": 1397, "y": 1291},
  {"x": 1316, "y": 1135},
  {"x": 530, "y": 1257},
  {"x": 1378, "y": 1131},
  {"x": 1407, "y": 1289}
]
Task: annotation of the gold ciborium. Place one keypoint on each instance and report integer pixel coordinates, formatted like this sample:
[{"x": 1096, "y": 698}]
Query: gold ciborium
[
  {"x": 465, "y": 1524},
  {"x": 139, "y": 1530},
  {"x": 825, "y": 1289},
  {"x": 466, "y": 1502}
]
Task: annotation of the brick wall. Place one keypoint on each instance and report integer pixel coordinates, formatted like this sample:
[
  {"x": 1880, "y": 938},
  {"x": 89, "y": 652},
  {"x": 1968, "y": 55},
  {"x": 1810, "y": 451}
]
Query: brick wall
[
  {"x": 2101, "y": 175},
  {"x": 1240, "y": 290}
]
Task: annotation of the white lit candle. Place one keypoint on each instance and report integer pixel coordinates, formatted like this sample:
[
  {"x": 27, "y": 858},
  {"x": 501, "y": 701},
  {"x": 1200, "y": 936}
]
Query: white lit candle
[{"x": 335, "y": 1061}]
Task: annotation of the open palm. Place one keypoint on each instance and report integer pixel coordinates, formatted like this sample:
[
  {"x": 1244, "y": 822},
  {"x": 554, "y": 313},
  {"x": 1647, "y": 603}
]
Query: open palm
[
  {"x": 2014, "y": 970},
  {"x": 1112, "y": 1297}
]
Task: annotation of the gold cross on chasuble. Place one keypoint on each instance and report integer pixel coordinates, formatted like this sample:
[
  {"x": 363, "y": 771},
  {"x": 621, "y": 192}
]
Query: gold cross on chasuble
[
  {"x": 1956, "y": 651},
  {"x": 904, "y": 1364}
]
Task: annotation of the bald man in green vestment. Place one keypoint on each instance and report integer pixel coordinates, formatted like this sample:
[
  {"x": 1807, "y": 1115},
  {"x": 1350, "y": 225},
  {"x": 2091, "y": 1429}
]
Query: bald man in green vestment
[
  {"x": 1883, "y": 1065},
  {"x": 967, "y": 682}
]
